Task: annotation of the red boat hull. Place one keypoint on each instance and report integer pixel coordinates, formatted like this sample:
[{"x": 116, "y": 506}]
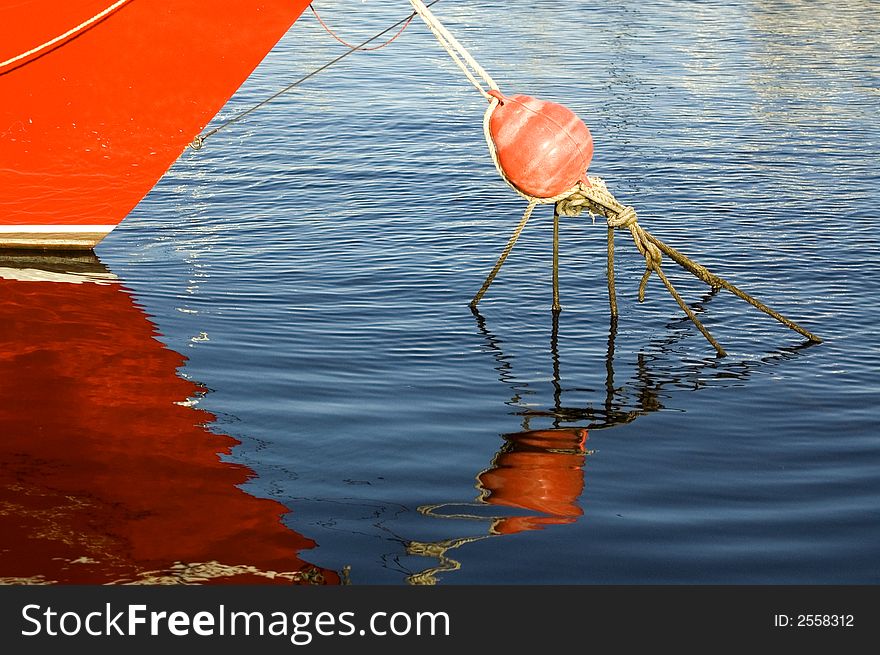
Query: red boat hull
[{"x": 88, "y": 126}]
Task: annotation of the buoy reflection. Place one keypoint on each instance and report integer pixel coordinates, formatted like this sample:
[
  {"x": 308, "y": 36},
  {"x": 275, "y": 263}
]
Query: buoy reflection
[
  {"x": 538, "y": 471},
  {"x": 536, "y": 479}
]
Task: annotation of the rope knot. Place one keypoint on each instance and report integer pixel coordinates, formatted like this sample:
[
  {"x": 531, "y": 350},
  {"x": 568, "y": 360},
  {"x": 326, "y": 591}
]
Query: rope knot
[
  {"x": 625, "y": 218},
  {"x": 653, "y": 256},
  {"x": 571, "y": 206}
]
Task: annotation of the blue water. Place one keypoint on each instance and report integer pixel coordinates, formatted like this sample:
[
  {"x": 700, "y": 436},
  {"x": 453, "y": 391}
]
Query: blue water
[{"x": 314, "y": 263}]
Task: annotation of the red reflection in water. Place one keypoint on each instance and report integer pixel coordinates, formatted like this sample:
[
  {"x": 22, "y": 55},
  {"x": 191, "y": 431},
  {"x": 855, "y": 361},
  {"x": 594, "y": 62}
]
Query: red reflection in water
[
  {"x": 104, "y": 475},
  {"x": 539, "y": 471}
]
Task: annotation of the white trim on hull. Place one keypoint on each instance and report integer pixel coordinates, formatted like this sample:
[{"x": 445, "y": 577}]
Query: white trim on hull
[{"x": 52, "y": 237}]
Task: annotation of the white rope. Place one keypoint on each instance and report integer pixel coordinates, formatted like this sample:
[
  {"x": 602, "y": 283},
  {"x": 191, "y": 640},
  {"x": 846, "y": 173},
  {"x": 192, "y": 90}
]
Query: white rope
[
  {"x": 472, "y": 69},
  {"x": 69, "y": 33},
  {"x": 457, "y": 51}
]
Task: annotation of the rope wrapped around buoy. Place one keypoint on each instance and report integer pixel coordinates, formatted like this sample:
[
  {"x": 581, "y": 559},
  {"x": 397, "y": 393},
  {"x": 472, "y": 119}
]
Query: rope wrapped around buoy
[{"x": 542, "y": 150}]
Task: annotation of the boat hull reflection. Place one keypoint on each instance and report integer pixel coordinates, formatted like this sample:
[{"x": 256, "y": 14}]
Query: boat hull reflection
[{"x": 107, "y": 471}]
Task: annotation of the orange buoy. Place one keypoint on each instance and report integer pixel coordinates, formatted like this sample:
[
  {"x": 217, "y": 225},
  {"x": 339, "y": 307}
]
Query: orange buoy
[{"x": 543, "y": 148}]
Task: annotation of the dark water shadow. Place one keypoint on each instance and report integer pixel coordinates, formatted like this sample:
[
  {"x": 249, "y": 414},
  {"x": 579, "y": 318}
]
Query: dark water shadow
[
  {"x": 108, "y": 473},
  {"x": 536, "y": 478}
]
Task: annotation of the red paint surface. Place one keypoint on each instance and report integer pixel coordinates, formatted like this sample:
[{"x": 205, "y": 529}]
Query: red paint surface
[
  {"x": 539, "y": 471},
  {"x": 103, "y": 475},
  {"x": 543, "y": 148},
  {"x": 88, "y": 128}
]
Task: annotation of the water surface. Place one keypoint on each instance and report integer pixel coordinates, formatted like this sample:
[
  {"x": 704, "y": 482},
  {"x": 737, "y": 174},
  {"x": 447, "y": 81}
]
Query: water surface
[{"x": 313, "y": 264}]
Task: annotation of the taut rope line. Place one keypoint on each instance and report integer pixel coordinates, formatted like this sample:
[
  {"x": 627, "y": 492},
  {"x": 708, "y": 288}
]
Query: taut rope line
[
  {"x": 459, "y": 54},
  {"x": 82, "y": 27},
  {"x": 592, "y": 194},
  {"x": 199, "y": 140},
  {"x": 510, "y": 244}
]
